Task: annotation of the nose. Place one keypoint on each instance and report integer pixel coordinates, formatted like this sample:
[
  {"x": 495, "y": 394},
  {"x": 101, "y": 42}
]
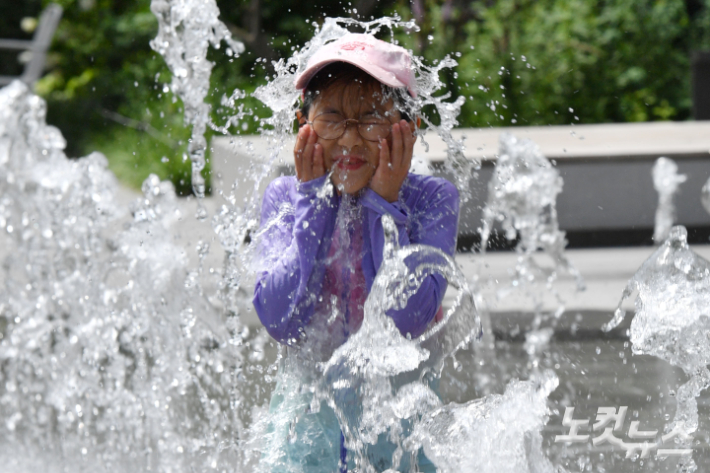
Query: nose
[{"x": 351, "y": 137}]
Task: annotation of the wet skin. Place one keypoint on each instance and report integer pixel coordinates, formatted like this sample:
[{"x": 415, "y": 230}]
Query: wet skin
[{"x": 356, "y": 162}]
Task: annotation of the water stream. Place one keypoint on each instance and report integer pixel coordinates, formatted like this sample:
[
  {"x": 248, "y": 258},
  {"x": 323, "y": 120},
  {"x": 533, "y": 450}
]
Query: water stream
[
  {"x": 186, "y": 29},
  {"x": 666, "y": 181},
  {"x": 705, "y": 197},
  {"x": 672, "y": 322},
  {"x": 522, "y": 200}
]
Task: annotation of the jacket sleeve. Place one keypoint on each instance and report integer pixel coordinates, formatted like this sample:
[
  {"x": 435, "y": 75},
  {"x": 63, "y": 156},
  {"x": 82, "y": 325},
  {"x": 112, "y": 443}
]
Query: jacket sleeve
[
  {"x": 434, "y": 222},
  {"x": 292, "y": 239}
]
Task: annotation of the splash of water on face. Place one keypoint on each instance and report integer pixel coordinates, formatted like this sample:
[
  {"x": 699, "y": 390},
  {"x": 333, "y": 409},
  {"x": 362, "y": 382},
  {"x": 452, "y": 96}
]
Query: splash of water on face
[
  {"x": 186, "y": 29},
  {"x": 672, "y": 321},
  {"x": 282, "y": 98},
  {"x": 666, "y": 181}
]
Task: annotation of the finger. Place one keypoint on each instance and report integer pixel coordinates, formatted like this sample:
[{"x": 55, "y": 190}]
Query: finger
[
  {"x": 408, "y": 138},
  {"x": 301, "y": 139},
  {"x": 308, "y": 157},
  {"x": 384, "y": 154},
  {"x": 396, "y": 146},
  {"x": 318, "y": 163}
]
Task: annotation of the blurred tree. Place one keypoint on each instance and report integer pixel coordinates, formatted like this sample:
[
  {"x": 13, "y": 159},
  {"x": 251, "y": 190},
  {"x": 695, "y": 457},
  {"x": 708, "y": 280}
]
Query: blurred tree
[
  {"x": 12, "y": 26},
  {"x": 543, "y": 62}
]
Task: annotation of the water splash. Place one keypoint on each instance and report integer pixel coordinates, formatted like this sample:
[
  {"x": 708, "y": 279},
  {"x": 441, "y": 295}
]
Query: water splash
[
  {"x": 282, "y": 98},
  {"x": 522, "y": 196},
  {"x": 378, "y": 349},
  {"x": 492, "y": 434},
  {"x": 106, "y": 343},
  {"x": 237, "y": 221},
  {"x": 672, "y": 321},
  {"x": 375, "y": 361},
  {"x": 454, "y": 437},
  {"x": 666, "y": 181},
  {"x": 186, "y": 29},
  {"x": 705, "y": 196}
]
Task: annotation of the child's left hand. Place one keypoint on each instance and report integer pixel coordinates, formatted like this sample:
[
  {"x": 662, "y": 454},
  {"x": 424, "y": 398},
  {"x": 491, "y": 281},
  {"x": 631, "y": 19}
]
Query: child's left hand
[{"x": 394, "y": 163}]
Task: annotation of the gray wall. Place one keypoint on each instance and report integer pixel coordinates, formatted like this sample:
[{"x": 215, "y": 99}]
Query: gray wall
[
  {"x": 606, "y": 194},
  {"x": 607, "y": 175}
]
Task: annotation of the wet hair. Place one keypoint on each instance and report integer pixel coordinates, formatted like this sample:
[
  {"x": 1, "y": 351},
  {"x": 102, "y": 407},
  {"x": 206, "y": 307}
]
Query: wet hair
[{"x": 343, "y": 72}]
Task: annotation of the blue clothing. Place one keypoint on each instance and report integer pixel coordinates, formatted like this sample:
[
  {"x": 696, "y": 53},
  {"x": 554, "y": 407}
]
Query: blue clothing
[{"x": 297, "y": 229}]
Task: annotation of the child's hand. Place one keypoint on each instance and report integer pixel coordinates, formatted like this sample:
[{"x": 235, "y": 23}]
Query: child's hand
[
  {"x": 308, "y": 155},
  {"x": 394, "y": 163}
]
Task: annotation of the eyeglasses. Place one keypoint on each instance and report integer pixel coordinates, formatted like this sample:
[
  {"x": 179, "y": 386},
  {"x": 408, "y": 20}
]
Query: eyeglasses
[{"x": 331, "y": 126}]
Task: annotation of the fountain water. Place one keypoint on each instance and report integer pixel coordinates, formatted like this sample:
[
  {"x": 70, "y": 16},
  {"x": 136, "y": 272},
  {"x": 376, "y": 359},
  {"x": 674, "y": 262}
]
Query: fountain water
[
  {"x": 107, "y": 358},
  {"x": 377, "y": 363},
  {"x": 522, "y": 196},
  {"x": 672, "y": 322},
  {"x": 374, "y": 358},
  {"x": 493, "y": 434},
  {"x": 666, "y": 181},
  {"x": 186, "y": 29},
  {"x": 705, "y": 197},
  {"x": 112, "y": 358}
]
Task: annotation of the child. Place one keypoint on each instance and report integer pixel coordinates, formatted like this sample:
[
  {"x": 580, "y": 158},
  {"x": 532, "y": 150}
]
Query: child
[{"x": 321, "y": 237}]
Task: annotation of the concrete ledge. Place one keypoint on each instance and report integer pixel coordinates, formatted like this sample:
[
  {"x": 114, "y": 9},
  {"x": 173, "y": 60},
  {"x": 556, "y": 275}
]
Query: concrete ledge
[
  {"x": 606, "y": 169},
  {"x": 641, "y": 140},
  {"x": 560, "y": 142}
]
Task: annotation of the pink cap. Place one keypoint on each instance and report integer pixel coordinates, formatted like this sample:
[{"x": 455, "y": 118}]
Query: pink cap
[{"x": 388, "y": 63}]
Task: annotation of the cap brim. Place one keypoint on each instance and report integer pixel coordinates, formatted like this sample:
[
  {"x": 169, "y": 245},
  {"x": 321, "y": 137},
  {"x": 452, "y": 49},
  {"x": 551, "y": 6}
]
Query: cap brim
[{"x": 377, "y": 72}]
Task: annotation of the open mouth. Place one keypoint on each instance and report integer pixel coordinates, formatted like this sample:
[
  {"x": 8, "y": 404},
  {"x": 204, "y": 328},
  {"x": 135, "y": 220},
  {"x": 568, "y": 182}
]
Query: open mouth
[{"x": 350, "y": 162}]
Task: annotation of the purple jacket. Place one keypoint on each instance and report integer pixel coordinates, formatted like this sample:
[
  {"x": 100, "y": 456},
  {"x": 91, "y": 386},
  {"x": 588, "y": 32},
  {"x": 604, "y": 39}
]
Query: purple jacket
[{"x": 296, "y": 230}]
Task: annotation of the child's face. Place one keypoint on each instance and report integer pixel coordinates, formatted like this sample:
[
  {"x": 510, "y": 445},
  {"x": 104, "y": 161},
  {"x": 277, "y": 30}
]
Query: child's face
[{"x": 352, "y": 158}]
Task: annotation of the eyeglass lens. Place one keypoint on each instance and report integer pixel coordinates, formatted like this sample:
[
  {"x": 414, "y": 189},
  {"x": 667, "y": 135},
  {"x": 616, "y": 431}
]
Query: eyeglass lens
[{"x": 333, "y": 128}]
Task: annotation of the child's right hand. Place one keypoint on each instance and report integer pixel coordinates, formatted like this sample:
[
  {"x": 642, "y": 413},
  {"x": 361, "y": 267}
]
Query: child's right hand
[{"x": 308, "y": 155}]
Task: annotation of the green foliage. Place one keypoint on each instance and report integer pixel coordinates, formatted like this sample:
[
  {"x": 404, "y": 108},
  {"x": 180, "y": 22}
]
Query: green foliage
[
  {"x": 539, "y": 62},
  {"x": 13, "y": 11},
  {"x": 101, "y": 62},
  {"x": 155, "y": 143}
]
